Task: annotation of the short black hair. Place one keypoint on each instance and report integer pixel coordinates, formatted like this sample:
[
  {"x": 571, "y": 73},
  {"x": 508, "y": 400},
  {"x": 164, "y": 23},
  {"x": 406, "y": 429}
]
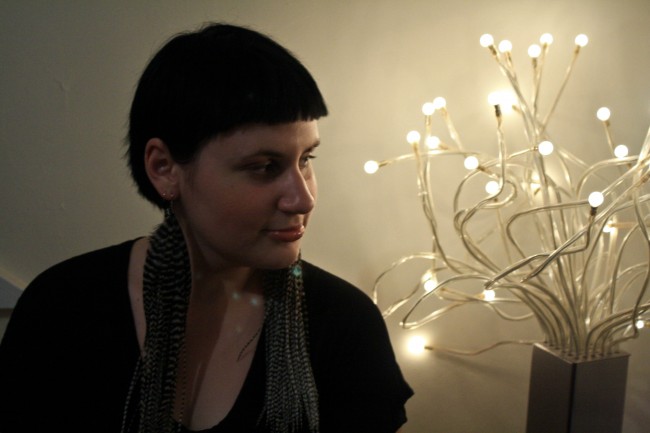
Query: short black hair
[{"x": 204, "y": 83}]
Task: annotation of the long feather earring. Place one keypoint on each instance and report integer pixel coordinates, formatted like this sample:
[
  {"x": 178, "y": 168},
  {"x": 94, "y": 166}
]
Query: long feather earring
[
  {"x": 166, "y": 289},
  {"x": 291, "y": 398}
]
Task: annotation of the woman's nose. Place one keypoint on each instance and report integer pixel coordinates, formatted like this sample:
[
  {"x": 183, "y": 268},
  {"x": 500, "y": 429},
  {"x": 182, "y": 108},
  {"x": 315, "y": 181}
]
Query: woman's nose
[{"x": 299, "y": 193}]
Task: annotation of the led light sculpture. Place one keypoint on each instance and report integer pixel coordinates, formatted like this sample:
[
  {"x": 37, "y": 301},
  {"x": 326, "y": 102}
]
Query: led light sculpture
[{"x": 568, "y": 241}]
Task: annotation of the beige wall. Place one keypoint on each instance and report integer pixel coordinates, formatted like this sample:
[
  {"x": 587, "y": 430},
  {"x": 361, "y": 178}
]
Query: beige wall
[{"x": 68, "y": 69}]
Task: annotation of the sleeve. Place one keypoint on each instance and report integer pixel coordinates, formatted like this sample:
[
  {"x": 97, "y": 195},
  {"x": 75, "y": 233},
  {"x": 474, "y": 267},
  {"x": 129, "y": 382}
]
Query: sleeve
[
  {"x": 362, "y": 388},
  {"x": 67, "y": 354},
  {"x": 28, "y": 379}
]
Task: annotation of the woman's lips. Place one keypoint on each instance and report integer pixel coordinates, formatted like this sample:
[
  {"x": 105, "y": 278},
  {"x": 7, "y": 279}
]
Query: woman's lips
[{"x": 289, "y": 234}]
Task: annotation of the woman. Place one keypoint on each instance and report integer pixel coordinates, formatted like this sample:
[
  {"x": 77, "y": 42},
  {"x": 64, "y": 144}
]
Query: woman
[{"x": 212, "y": 323}]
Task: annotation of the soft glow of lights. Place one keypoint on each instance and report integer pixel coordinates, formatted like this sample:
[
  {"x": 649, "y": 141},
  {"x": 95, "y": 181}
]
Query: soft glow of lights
[
  {"x": 429, "y": 285},
  {"x": 371, "y": 167},
  {"x": 621, "y": 151},
  {"x": 416, "y": 345},
  {"x": 534, "y": 51},
  {"x": 546, "y": 39},
  {"x": 494, "y": 98},
  {"x": 432, "y": 142},
  {"x": 581, "y": 40},
  {"x": 471, "y": 162},
  {"x": 505, "y": 100},
  {"x": 486, "y": 40},
  {"x": 596, "y": 198},
  {"x": 428, "y": 108},
  {"x": 413, "y": 137},
  {"x": 439, "y": 103},
  {"x": 429, "y": 281},
  {"x": 603, "y": 114},
  {"x": 545, "y": 148},
  {"x": 533, "y": 233},
  {"x": 505, "y": 46},
  {"x": 609, "y": 227},
  {"x": 489, "y": 295},
  {"x": 492, "y": 187}
]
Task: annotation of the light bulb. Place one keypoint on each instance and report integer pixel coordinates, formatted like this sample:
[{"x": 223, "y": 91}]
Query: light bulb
[
  {"x": 504, "y": 99},
  {"x": 413, "y": 137},
  {"x": 535, "y": 182},
  {"x": 640, "y": 324},
  {"x": 429, "y": 285},
  {"x": 596, "y": 198},
  {"x": 545, "y": 148},
  {"x": 546, "y": 39},
  {"x": 489, "y": 295},
  {"x": 429, "y": 280},
  {"x": 486, "y": 40},
  {"x": 534, "y": 51},
  {"x": 581, "y": 40},
  {"x": 494, "y": 98},
  {"x": 432, "y": 142},
  {"x": 609, "y": 227},
  {"x": 371, "y": 167},
  {"x": 471, "y": 162},
  {"x": 492, "y": 187},
  {"x": 428, "y": 108},
  {"x": 505, "y": 46},
  {"x": 416, "y": 345},
  {"x": 439, "y": 103},
  {"x": 621, "y": 151},
  {"x": 603, "y": 114}
]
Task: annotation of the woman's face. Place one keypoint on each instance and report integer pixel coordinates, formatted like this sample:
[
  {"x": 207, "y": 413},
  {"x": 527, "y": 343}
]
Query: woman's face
[{"x": 246, "y": 199}]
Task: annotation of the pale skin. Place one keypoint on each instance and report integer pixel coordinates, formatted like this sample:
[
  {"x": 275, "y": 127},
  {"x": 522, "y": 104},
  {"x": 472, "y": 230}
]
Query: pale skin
[{"x": 243, "y": 205}]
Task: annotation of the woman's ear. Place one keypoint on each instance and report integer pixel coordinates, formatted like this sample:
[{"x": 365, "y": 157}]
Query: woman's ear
[{"x": 161, "y": 168}]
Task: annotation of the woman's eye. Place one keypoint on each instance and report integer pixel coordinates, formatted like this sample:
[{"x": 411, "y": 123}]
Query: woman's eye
[
  {"x": 266, "y": 168},
  {"x": 305, "y": 159}
]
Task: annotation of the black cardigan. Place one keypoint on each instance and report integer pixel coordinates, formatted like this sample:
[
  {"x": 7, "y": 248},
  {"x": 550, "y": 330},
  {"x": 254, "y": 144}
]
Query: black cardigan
[{"x": 70, "y": 347}]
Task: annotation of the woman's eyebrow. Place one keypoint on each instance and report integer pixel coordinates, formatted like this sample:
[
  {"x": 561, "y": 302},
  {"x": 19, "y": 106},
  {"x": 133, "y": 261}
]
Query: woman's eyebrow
[{"x": 278, "y": 153}]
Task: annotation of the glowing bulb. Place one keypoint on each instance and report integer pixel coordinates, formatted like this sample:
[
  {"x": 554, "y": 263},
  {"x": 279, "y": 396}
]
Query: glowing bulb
[
  {"x": 495, "y": 98},
  {"x": 492, "y": 187},
  {"x": 439, "y": 103},
  {"x": 621, "y": 151},
  {"x": 428, "y": 108},
  {"x": 603, "y": 114},
  {"x": 545, "y": 148},
  {"x": 416, "y": 345},
  {"x": 429, "y": 281},
  {"x": 371, "y": 167},
  {"x": 489, "y": 295},
  {"x": 581, "y": 40},
  {"x": 429, "y": 285},
  {"x": 486, "y": 40},
  {"x": 534, "y": 51},
  {"x": 640, "y": 324},
  {"x": 535, "y": 178},
  {"x": 596, "y": 198},
  {"x": 505, "y": 46},
  {"x": 413, "y": 137},
  {"x": 609, "y": 227},
  {"x": 471, "y": 162},
  {"x": 432, "y": 142},
  {"x": 546, "y": 39}
]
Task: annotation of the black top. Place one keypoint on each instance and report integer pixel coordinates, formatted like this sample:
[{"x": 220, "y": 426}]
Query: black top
[{"x": 70, "y": 348}]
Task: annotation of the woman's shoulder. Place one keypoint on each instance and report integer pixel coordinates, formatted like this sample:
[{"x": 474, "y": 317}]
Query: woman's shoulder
[
  {"x": 334, "y": 299},
  {"x": 99, "y": 266},
  {"x": 327, "y": 286}
]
